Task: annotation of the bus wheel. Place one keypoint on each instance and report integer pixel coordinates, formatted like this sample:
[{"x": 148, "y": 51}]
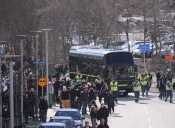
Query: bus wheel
[{"x": 125, "y": 93}]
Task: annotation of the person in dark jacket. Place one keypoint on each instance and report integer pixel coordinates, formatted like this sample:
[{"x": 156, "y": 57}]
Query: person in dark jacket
[
  {"x": 5, "y": 117},
  {"x": 162, "y": 85},
  {"x": 92, "y": 96},
  {"x": 93, "y": 114},
  {"x": 73, "y": 95},
  {"x": 103, "y": 113},
  {"x": 110, "y": 101},
  {"x": 26, "y": 105},
  {"x": 56, "y": 87},
  {"x": 65, "y": 97},
  {"x": 103, "y": 124},
  {"x": 158, "y": 75},
  {"x": 87, "y": 125},
  {"x": 105, "y": 93},
  {"x": 84, "y": 99},
  {"x": 43, "y": 108}
]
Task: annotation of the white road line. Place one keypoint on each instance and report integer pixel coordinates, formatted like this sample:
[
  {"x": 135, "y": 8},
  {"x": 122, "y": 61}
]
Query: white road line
[
  {"x": 147, "y": 112},
  {"x": 150, "y": 126},
  {"x": 144, "y": 106},
  {"x": 149, "y": 119}
]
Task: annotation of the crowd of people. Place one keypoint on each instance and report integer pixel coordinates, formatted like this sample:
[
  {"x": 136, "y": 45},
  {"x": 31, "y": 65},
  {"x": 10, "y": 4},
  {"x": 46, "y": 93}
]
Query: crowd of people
[{"x": 78, "y": 93}]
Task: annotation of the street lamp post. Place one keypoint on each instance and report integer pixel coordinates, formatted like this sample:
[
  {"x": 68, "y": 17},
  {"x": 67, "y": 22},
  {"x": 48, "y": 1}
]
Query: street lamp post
[
  {"x": 36, "y": 80},
  {"x": 1, "y": 88},
  {"x": 22, "y": 37},
  {"x": 47, "y": 75}
]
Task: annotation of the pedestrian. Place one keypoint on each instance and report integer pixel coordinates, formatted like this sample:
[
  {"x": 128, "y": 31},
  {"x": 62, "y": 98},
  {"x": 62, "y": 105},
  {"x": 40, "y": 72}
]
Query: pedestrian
[
  {"x": 43, "y": 108},
  {"x": 110, "y": 101},
  {"x": 87, "y": 125},
  {"x": 136, "y": 88},
  {"x": 169, "y": 75},
  {"x": 147, "y": 82},
  {"x": 73, "y": 95},
  {"x": 162, "y": 86},
  {"x": 169, "y": 92},
  {"x": 114, "y": 88},
  {"x": 103, "y": 113},
  {"x": 26, "y": 105},
  {"x": 65, "y": 97},
  {"x": 56, "y": 89},
  {"x": 103, "y": 124},
  {"x": 93, "y": 114},
  {"x": 92, "y": 96},
  {"x": 105, "y": 93},
  {"x": 84, "y": 99},
  {"x": 5, "y": 117},
  {"x": 99, "y": 84},
  {"x": 158, "y": 75},
  {"x": 150, "y": 83},
  {"x": 143, "y": 83}
]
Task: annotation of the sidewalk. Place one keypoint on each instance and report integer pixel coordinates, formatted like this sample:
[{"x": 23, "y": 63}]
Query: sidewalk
[{"x": 50, "y": 113}]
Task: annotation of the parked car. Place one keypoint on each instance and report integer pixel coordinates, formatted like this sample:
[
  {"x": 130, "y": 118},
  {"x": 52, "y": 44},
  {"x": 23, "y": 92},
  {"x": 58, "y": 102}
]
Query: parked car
[
  {"x": 64, "y": 119},
  {"x": 52, "y": 125},
  {"x": 74, "y": 113}
]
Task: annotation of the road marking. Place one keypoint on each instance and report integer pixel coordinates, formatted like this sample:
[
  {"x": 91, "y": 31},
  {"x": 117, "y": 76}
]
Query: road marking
[
  {"x": 149, "y": 119},
  {"x": 144, "y": 106},
  {"x": 147, "y": 112},
  {"x": 150, "y": 126}
]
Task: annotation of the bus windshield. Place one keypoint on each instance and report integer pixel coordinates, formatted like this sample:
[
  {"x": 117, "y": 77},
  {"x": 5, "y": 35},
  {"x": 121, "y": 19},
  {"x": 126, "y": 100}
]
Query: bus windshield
[
  {"x": 121, "y": 72},
  {"x": 119, "y": 58}
]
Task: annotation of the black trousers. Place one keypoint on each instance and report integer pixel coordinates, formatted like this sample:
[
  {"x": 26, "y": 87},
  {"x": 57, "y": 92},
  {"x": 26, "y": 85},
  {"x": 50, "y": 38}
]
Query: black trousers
[
  {"x": 26, "y": 114},
  {"x": 110, "y": 107}
]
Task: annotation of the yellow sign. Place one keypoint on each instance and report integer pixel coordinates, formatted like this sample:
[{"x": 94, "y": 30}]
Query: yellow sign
[{"x": 42, "y": 82}]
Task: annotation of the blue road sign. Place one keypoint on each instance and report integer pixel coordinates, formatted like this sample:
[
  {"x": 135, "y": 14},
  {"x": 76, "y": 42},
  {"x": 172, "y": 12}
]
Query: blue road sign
[
  {"x": 39, "y": 62},
  {"x": 144, "y": 47},
  {"x": 1, "y": 48},
  {"x": 111, "y": 47}
]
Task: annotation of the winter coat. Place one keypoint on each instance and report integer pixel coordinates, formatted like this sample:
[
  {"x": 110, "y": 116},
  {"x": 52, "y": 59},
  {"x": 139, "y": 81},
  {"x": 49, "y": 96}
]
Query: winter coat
[
  {"x": 103, "y": 113},
  {"x": 92, "y": 95},
  {"x": 84, "y": 96},
  {"x": 6, "y": 114},
  {"x": 162, "y": 83},
  {"x": 110, "y": 99},
  {"x": 73, "y": 94},
  {"x": 26, "y": 103},
  {"x": 100, "y": 126},
  {"x": 94, "y": 114},
  {"x": 43, "y": 105}
]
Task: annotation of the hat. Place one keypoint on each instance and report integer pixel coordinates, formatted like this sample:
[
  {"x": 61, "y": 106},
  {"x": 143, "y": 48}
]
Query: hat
[
  {"x": 113, "y": 78},
  {"x": 86, "y": 122}
]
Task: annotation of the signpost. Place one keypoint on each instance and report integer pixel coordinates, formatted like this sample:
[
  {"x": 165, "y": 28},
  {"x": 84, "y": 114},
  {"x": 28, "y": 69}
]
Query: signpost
[
  {"x": 42, "y": 82},
  {"x": 170, "y": 58},
  {"x": 111, "y": 47},
  {"x": 144, "y": 48}
]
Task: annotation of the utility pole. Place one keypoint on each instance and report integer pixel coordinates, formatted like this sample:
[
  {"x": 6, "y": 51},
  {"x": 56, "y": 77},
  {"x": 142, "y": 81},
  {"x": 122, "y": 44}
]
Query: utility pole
[
  {"x": 22, "y": 37},
  {"x": 1, "y": 87},
  {"x": 36, "y": 80},
  {"x": 47, "y": 74}
]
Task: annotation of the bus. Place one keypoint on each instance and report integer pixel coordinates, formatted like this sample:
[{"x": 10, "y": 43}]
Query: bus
[{"x": 92, "y": 62}]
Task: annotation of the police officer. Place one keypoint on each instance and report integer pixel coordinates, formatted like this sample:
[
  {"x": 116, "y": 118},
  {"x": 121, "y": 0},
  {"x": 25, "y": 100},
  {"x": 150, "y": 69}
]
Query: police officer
[
  {"x": 143, "y": 83},
  {"x": 136, "y": 88},
  {"x": 137, "y": 76},
  {"x": 169, "y": 91},
  {"x": 78, "y": 78},
  {"x": 114, "y": 88}
]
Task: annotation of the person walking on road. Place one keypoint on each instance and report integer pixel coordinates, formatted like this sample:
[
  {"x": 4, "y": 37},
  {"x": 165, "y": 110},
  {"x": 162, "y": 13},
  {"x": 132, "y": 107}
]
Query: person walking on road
[
  {"x": 103, "y": 124},
  {"x": 110, "y": 101},
  {"x": 43, "y": 108},
  {"x": 158, "y": 75},
  {"x": 143, "y": 83},
  {"x": 169, "y": 75},
  {"x": 65, "y": 97},
  {"x": 26, "y": 105},
  {"x": 169, "y": 92},
  {"x": 162, "y": 86},
  {"x": 136, "y": 88},
  {"x": 73, "y": 95},
  {"x": 84, "y": 99},
  {"x": 103, "y": 113},
  {"x": 93, "y": 114},
  {"x": 114, "y": 88},
  {"x": 105, "y": 93},
  {"x": 5, "y": 117},
  {"x": 92, "y": 97}
]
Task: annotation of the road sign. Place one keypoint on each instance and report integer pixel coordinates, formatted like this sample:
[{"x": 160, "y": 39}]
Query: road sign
[
  {"x": 1, "y": 49},
  {"x": 42, "y": 82},
  {"x": 144, "y": 47},
  {"x": 169, "y": 57},
  {"x": 39, "y": 62},
  {"x": 111, "y": 47}
]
